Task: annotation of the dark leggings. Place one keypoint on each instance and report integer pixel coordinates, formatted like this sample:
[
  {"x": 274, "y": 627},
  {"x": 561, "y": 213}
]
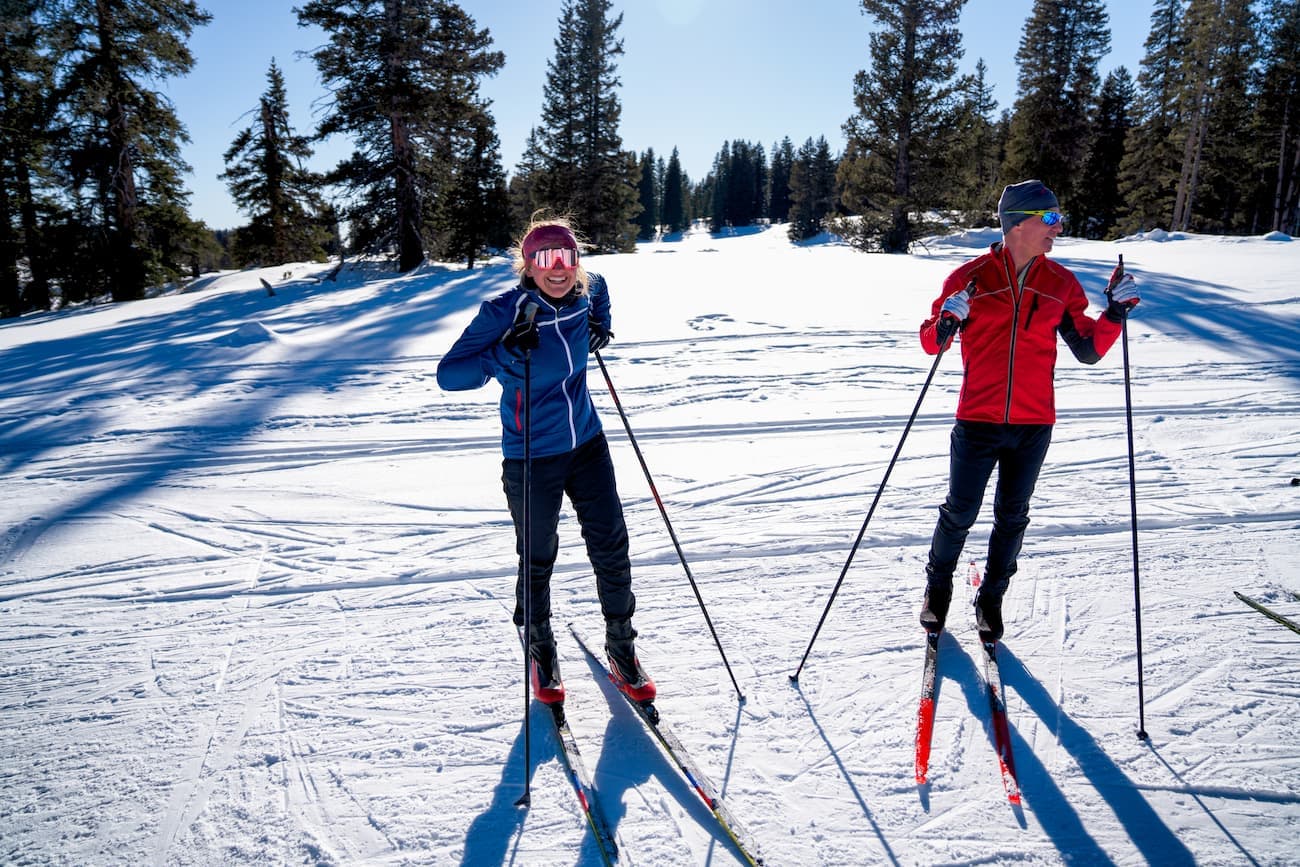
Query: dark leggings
[
  {"x": 586, "y": 475},
  {"x": 1018, "y": 451}
]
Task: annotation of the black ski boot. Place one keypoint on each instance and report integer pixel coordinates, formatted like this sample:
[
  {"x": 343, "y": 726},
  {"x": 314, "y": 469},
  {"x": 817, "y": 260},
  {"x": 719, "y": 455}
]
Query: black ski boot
[
  {"x": 988, "y": 617},
  {"x": 545, "y": 667},
  {"x": 934, "y": 610},
  {"x": 626, "y": 669}
]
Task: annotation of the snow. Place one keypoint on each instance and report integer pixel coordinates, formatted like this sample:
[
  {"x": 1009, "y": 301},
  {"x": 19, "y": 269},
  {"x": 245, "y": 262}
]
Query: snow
[{"x": 256, "y": 575}]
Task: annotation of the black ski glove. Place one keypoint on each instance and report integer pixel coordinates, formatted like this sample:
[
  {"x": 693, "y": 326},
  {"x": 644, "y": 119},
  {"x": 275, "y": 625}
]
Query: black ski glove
[
  {"x": 522, "y": 337},
  {"x": 598, "y": 336},
  {"x": 1121, "y": 297}
]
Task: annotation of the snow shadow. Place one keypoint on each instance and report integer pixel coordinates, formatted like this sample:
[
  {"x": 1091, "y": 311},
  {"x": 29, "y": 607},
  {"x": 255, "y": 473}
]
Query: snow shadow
[
  {"x": 493, "y": 837},
  {"x": 1210, "y": 313},
  {"x": 630, "y": 755},
  {"x": 834, "y": 753},
  {"x": 139, "y": 351},
  {"x": 1157, "y": 842}
]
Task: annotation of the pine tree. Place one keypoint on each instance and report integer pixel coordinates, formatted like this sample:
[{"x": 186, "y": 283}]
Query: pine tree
[
  {"x": 1277, "y": 122},
  {"x": 719, "y": 181},
  {"x": 587, "y": 174},
  {"x": 1098, "y": 202},
  {"x": 123, "y": 136},
  {"x": 474, "y": 213},
  {"x": 26, "y": 135},
  {"x": 778, "y": 182},
  {"x": 675, "y": 193},
  {"x": 1063, "y": 42},
  {"x": 904, "y": 118},
  {"x": 1148, "y": 172},
  {"x": 525, "y": 199},
  {"x": 648, "y": 196},
  {"x": 404, "y": 78},
  {"x": 267, "y": 180},
  {"x": 812, "y": 189},
  {"x": 975, "y": 157},
  {"x": 467, "y": 211},
  {"x": 1220, "y": 39}
]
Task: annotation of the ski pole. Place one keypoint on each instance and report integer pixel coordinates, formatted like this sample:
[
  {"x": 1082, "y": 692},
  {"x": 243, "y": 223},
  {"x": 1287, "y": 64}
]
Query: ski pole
[
  {"x": 667, "y": 523},
  {"x": 946, "y": 326},
  {"x": 529, "y": 311},
  {"x": 1115, "y": 277}
]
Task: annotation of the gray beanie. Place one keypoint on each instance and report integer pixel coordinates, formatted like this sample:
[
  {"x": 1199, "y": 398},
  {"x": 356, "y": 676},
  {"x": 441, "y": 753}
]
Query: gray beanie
[{"x": 1024, "y": 196}]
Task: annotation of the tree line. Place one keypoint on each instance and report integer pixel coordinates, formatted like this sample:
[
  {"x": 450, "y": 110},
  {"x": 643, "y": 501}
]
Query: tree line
[{"x": 1205, "y": 139}]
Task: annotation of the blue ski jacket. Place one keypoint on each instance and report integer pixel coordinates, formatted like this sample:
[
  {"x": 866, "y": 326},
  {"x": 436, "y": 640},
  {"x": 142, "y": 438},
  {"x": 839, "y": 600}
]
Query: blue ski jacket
[{"x": 563, "y": 415}]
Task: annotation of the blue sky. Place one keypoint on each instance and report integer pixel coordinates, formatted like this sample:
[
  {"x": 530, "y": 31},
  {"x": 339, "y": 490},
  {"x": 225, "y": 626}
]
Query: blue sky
[{"x": 695, "y": 73}]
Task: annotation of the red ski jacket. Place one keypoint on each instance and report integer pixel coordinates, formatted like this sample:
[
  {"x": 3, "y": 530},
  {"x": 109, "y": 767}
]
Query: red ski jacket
[{"x": 1008, "y": 345}]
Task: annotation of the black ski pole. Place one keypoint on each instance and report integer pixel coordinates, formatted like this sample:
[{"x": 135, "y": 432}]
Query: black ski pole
[
  {"x": 946, "y": 326},
  {"x": 1115, "y": 277},
  {"x": 667, "y": 523},
  {"x": 529, "y": 311}
]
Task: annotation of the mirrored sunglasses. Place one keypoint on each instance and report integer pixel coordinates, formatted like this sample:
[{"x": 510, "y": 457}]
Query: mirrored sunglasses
[
  {"x": 1051, "y": 218},
  {"x": 566, "y": 256}
]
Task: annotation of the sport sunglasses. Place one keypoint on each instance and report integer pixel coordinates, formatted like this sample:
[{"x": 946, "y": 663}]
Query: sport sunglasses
[
  {"x": 1051, "y": 218},
  {"x": 566, "y": 256}
]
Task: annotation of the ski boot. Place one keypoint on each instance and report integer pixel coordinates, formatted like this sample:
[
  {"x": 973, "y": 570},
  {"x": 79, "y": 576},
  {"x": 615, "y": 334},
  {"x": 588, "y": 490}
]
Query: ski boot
[
  {"x": 934, "y": 611},
  {"x": 544, "y": 665},
  {"x": 988, "y": 617},
  {"x": 624, "y": 667}
]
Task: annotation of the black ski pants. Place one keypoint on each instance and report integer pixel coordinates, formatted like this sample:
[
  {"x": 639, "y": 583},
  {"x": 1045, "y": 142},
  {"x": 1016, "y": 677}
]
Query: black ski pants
[
  {"x": 1017, "y": 450},
  {"x": 586, "y": 475}
]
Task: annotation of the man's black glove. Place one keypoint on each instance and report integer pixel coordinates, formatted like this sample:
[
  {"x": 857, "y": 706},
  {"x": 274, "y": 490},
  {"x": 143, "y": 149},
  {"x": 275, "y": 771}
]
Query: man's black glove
[
  {"x": 598, "y": 336},
  {"x": 522, "y": 337},
  {"x": 1121, "y": 297}
]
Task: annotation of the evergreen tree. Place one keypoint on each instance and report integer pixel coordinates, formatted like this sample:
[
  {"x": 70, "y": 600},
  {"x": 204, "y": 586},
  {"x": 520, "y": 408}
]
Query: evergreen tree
[
  {"x": 475, "y": 212},
  {"x": 123, "y": 139},
  {"x": 1277, "y": 122},
  {"x": 267, "y": 180},
  {"x": 778, "y": 182},
  {"x": 468, "y": 211},
  {"x": 1221, "y": 45},
  {"x": 904, "y": 119},
  {"x": 648, "y": 195},
  {"x": 758, "y": 193},
  {"x": 739, "y": 188},
  {"x": 975, "y": 157},
  {"x": 1063, "y": 42},
  {"x": 1148, "y": 172},
  {"x": 1098, "y": 203},
  {"x": 404, "y": 80},
  {"x": 812, "y": 189},
  {"x": 525, "y": 199},
  {"x": 26, "y": 134},
  {"x": 719, "y": 186},
  {"x": 587, "y": 174},
  {"x": 674, "y": 216}
]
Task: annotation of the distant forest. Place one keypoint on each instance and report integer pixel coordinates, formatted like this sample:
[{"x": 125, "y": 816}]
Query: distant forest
[{"x": 1205, "y": 138}]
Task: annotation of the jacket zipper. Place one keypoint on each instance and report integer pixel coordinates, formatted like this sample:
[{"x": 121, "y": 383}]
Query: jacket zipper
[{"x": 1015, "y": 317}]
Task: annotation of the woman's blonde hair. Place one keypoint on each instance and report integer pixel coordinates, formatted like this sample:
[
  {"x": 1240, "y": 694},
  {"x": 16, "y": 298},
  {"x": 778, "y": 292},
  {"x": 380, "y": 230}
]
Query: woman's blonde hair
[{"x": 541, "y": 220}]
